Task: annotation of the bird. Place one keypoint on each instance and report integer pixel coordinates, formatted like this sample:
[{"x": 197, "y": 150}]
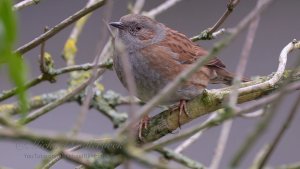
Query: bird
[{"x": 157, "y": 54}]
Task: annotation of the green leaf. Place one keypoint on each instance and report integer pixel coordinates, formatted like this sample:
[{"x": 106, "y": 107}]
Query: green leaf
[
  {"x": 16, "y": 66},
  {"x": 7, "y": 24}
]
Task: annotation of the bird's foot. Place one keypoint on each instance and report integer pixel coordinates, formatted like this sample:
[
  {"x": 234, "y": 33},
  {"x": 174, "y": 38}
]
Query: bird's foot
[
  {"x": 182, "y": 110},
  {"x": 143, "y": 124}
]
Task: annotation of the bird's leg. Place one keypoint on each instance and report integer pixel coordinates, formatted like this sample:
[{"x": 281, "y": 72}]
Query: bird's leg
[
  {"x": 182, "y": 110},
  {"x": 143, "y": 124}
]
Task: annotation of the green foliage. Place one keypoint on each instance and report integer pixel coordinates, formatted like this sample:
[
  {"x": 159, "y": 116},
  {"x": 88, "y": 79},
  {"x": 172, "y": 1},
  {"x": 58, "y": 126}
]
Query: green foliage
[{"x": 16, "y": 66}]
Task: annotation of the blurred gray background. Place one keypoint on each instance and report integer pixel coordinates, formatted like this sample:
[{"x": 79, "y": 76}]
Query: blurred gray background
[{"x": 278, "y": 26}]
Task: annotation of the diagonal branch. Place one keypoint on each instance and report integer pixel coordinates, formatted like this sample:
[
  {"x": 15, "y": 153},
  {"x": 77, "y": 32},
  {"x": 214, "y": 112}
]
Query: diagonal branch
[{"x": 63, "y": 24}]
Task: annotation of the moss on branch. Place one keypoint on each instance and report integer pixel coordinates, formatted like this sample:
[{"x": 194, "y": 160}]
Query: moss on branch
[{"x": 211, "y": 100}]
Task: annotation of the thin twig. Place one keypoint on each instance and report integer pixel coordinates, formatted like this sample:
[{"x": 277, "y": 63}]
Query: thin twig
[
  {"x": 25, "y": 3},
  {"x": 234, "y": 94},
  {"x": 84, "y": 67},
  {"x": 219, "y": 151},
  {"x": 42, "y": 54},
  {"x": 94, "y": 76},
  {"x": 43, "y": 137},
  {"x": 279, "y": 135},
  {"x": 161, "y": 8},
  {"x": 184, "y": 160},
  {"x": 70, "y": 48},
  {"x": 138, "y": 6},
  {"x": 230, "y": 7},
  {"x": 142, "y": 158},
  {"x": 295, "y": 165},
  {"x": 258, "y": 132},
  {"x": 57, "y": 102},
  {"x": 99, "y": 103},
  {"x": 241, "y": 66},
  {"x": 193, "y": 138},
  {"x": 280, "y": 70},
  {"x": 60, "y": 156},
  {"x": 205, "y": 36},
  {"x": 211, "y": 33},
  {"x": 63, "y": 24}
]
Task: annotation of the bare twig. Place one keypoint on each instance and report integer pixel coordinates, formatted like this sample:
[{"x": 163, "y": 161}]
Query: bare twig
[
  {"x": 138, "y": 6},
  {"x": 280, "y": 70},
  {"x": 44, "y": 138},
  {"x": 263, "y": 160},
  {"x": 219, "y": 151},
  {"x": 289, "y": 166},
  {"x": 241, "y": 67},
  {"x": 211, "y": 33},
  {"x": 51, "y": 32},
  {"x": 234, "y": 94},
  {"x": 141, "y": 157},
  {"x": 161, "y": 8},
  {"x": 60, "y": 156},
  {"x": 25, "y": 3},
  {"x": 184, "y": 160},
  {"x": 129, "y": 78},
  {"x": 70, "y": 47},
  {"x": 205, "y": 36},
  {"x": 94, "y": 76},
  {"x": 259, "y": 130},
  {"x": 57, "y": 102},
  {"x": 193, "y": 138},
  {"x": 230, "y": 6},
  {"x": 42, "y": 55}
]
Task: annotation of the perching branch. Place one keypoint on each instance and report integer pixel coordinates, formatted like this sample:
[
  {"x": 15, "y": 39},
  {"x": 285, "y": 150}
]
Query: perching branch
[{"x": 212, "y": 100}]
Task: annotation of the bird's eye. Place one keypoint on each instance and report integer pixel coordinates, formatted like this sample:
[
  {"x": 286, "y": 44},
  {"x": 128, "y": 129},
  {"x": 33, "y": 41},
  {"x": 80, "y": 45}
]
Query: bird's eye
[{"x": 138, "y": 28}]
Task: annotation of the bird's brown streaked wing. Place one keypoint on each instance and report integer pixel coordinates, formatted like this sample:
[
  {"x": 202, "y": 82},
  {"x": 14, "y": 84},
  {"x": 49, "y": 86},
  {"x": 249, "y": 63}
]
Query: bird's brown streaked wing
[
  {"x": 168, "y": 66},
  {"x": 187, "y": 51}
]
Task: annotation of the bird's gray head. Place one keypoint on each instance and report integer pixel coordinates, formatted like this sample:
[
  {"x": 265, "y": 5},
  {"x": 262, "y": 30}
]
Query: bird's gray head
[{"x": 137, "y": 31}]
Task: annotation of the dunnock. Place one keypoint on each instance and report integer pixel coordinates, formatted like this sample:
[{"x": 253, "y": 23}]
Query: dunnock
[{"x": 158, "y": 54}]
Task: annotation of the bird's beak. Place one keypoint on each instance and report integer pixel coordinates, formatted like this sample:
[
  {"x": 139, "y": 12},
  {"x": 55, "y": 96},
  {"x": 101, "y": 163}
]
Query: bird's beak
[{"x": 118, "y": 25}]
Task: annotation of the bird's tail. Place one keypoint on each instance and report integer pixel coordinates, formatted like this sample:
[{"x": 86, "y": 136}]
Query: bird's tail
[{"x": 225, "y": 77}]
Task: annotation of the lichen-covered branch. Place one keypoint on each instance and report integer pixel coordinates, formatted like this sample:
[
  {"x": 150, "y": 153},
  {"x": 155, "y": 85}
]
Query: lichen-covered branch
[
  {"x": 53, "y": 73},
  {"x": 167, "y": 121}
]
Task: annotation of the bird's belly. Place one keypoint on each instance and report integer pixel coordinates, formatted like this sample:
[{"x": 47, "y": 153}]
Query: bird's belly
[{"x": 149, "y": 82}]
